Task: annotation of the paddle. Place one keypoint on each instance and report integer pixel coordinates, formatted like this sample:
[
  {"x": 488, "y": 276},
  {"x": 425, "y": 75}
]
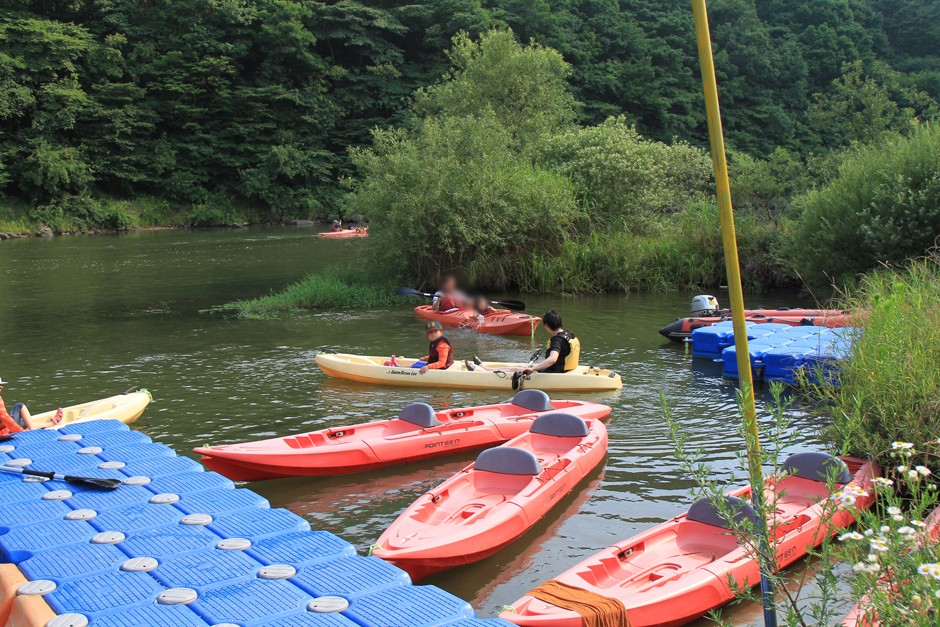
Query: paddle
[
  {"x": 96, "y": 482},
  {"x": 518, "y": 377},
  {"x": 516, "y": 305}
]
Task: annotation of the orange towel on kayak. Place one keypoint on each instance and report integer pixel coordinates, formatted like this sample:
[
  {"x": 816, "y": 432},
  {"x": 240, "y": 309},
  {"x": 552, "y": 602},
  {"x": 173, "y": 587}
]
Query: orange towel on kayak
[{"x": 595, "y": 609}]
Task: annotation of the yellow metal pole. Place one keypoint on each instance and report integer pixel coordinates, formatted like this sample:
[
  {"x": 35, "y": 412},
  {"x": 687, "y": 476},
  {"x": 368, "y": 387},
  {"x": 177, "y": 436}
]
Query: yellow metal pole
[{"x": 733, "y": 268}]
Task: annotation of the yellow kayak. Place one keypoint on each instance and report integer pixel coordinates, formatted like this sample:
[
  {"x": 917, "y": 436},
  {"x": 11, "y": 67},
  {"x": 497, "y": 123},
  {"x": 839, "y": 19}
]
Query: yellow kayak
[
  {"x": 371, "y": 370},
  {"x": 125, "y": 407}
]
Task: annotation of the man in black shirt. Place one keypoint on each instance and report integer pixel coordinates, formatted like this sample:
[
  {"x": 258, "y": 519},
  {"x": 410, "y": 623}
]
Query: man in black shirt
[{"x": 564, "y": 350}]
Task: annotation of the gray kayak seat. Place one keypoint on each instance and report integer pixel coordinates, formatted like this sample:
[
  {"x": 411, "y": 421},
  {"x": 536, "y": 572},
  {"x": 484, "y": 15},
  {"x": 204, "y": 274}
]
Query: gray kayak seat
[
  {"x": 560, "y": 425},
  {"x": 508, "y": 460},
  {"x": 704, "y": 511},
  {"x": 420, "y": 414},
  {"x": 817, "y": 467},
  {"x": 533, "y": 400}
]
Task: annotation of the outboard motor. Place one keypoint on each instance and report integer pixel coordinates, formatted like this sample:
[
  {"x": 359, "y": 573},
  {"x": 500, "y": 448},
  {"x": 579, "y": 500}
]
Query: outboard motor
[{"x": 704, "y": 306}]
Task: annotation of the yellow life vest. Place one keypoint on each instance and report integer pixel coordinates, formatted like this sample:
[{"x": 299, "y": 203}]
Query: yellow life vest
[{"x": 574, "y": 354}]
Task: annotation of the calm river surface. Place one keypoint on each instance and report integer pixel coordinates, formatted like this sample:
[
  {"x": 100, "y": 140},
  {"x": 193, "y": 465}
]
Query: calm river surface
[{"x": 86, "y": 317}]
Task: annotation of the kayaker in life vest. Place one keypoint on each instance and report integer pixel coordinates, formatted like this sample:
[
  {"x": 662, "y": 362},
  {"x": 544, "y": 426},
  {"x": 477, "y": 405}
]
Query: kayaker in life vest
[
  {"x": 440, "y": 353},
  {"x": 337, "y": 225},
  {"x": 18, "y": 418},
  {"x": 483, "y": 308},
  {"x": 448, "y": 298},
  {"x": 564, "y": 351}
]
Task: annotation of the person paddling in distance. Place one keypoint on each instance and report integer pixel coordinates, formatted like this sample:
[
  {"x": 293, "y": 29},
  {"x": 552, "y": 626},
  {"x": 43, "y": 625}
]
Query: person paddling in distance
[
  {"x": 448, "y": 298},
  {"x": 483, "y": 307},
  {"x": 19, "y": 418},
  {"x": 440, "y": 352},
  {"x": 564, "y": 351}
]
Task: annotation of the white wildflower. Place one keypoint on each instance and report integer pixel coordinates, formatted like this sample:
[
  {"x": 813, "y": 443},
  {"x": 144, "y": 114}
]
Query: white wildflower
[
  {"x": 894, "y": 511},
  {"x": 905, "y": 446},
  {"x": 923, "y": 470}
]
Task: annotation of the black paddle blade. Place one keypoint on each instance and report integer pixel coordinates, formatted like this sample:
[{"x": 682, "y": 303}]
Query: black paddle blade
[
  {"x": 407, "y": 291},
  {"x": 96, "y": 482},
  {"x": 515, "y": 305}
]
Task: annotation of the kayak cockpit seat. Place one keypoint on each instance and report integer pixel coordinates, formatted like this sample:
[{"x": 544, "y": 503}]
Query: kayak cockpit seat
[
  {"x": 707, "y": 512},
  {"x": 508, "y": 460},
  {"x": 420, "y": 414},
  {"x": 560, "y": 425},
  {"x": 533, "y": 400},
  {"x": 817, "y": 467}
]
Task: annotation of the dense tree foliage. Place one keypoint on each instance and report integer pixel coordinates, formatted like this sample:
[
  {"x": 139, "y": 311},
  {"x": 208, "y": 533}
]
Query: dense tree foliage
[{"x": 255, "y": 102}]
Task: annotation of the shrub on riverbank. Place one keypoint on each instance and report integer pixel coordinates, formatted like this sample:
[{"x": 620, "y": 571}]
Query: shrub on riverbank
[
  {"x": 891, "y": 387},
  {"x": 882, "y": 207},
  {"x": 338, "y": 287}
]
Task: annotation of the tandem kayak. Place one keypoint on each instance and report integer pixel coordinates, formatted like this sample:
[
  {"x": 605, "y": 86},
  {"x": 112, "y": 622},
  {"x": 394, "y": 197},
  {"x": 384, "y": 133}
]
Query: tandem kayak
[
  {"x": 492, "y": 502},
  {"x": 498, "y": 323},
  {"x": 682, "y": 328},
  {"x": 418, "y": 433},
  {"x": 125, "y": 408},
  {"x": 680, "y": 570},
  {"x": 363, "y": 232},
  {"x": 370, "y": 369}
]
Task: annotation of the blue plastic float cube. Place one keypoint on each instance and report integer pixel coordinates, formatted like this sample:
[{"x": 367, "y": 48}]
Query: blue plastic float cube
[
  {"x": 220, "y": 501},
  {"x": 135, "y": 452},
  {"x": 31, "y": 512},
  {"x": 313, "y": 619},
  {"x": 103, "y": 594},
  {"x": 65, "y": 464},
  {"x": 205, "y": 570},
  {"x": 160, "y": 467},
  {"x": 301, "y": 548},
  {"x": 73, "y": 562},
  {"x": 252, "y": 603},
  {"x": 782, "y": 364},
  {"x": 18, "y": 491},
  {"x": 152, "y": 615},
  {"x": 100, "y": 500},
  {"x": 112, "y": 439},
  {"x": 37, "y": 435},
  {"x": 186, "y": 482},
  {"x": 23, "y": 543},
  {"x": 708, "y": 341},
  {"x": 136, "y": 517},
  {"x": 169, "y": 541},
  {"x": 414, "y": 606},
  {"x": 255, "y": 524},
  {"x": 94, "y": 426},
  {"x": 44, "y": 448},
  {"x": 350, "y": 577}
]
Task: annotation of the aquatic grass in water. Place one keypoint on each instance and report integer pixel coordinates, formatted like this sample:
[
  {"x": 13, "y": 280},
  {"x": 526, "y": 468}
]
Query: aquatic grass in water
[
  {"x": 891, "y": 386},
  {"x": 339, "y": 287}
]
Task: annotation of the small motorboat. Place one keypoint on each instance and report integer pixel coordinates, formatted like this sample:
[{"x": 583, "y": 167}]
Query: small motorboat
[
  {"x": 372, "y": 369},
  {"x": 705, "y": 312},
  {"x": 346, "y": 233},
  {"x": 417, "y": 433},
  {"x": 680, "y": 570},
  {"x": 492, "y": 502},
  {"x": 498, "y": 322}
]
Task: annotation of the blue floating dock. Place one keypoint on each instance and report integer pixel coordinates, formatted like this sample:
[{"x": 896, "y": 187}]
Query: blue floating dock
[
  {"x": 196, "y": 531},
  {"x": 779, "y": 354}
]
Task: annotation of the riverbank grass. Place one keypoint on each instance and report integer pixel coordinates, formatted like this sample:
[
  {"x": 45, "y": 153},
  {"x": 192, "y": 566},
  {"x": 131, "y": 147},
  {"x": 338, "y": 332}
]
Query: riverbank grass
[
  {"x": 338, "y": 287},
  {"x": 891, "y": 387}
]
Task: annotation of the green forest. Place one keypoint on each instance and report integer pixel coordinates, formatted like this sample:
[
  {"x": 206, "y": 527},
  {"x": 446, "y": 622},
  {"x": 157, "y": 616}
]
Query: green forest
[{"x": 588, "y": 113}]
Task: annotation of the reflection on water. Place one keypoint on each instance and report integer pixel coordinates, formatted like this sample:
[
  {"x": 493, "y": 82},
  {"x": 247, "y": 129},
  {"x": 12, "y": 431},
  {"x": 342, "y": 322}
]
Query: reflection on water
[{"x": 86, "y": 317}]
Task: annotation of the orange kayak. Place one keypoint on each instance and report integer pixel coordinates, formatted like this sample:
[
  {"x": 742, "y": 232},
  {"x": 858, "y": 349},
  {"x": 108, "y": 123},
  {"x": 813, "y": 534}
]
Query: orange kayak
[
  {"x": 490, "y": 503},
  {"x": 858, "y": 617},
  {"x": 357, "y": 232},
  {"x": 498, "y": 323},
  {"x": 682, "y": 328},
  {"x": 417, "y": 433},
  {"x": 680, "y": 570}
]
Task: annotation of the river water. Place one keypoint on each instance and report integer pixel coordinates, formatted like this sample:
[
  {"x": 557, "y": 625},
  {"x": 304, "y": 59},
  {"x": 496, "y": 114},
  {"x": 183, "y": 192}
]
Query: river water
[{"x": 87, "y": 317}]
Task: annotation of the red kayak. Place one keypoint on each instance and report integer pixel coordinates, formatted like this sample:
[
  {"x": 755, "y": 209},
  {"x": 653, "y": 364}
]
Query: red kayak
[
  {"x": 498, "y": 323},
  {"x": 679, "y": 571},
  {"x": 492, "y": 502},
  {"x": 682, "y": 328},
  {"x": 858, "y": 617},
  {"x": 356, "y": 232},
  {"x": 418, "y": 433}
]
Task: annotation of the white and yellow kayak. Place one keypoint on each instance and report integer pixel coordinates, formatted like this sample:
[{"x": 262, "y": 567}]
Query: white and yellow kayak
[
  {"x": 371, "y": 370},
  {"x": 125, "y": 407}
]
